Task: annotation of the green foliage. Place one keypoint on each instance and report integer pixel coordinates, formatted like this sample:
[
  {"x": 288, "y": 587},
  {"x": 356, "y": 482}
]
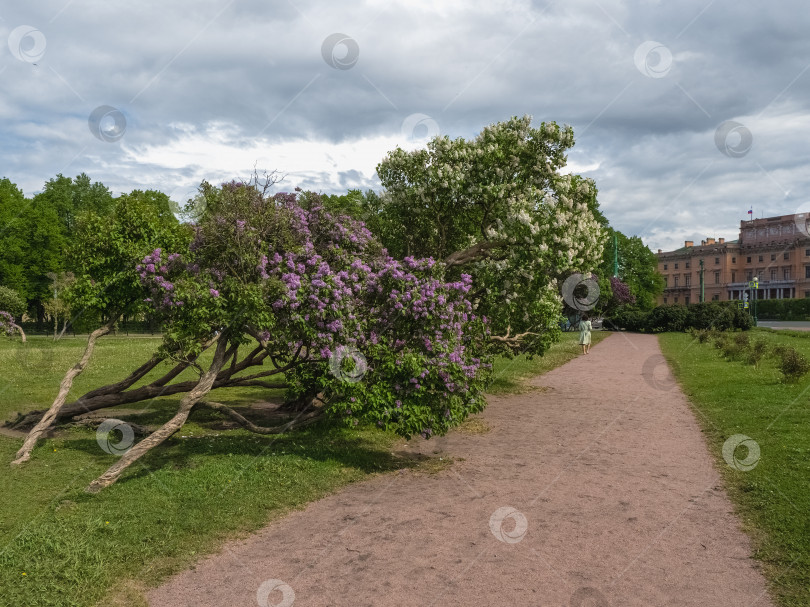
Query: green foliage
[
  {"x": 70, "y": 198},
  {"x": 638, "y": 268},
  {"x": 758, "y": 350},
  {"x": 792, "y": 364},
  {"x": 11, "y": 302},
  {"x": 37, "y": 232},
  {"x": 783, "y": 309},
  {"x": 708, "y": 315},
  {"x": 106, "y": 250},
  {"x": 498, "y": 208}
]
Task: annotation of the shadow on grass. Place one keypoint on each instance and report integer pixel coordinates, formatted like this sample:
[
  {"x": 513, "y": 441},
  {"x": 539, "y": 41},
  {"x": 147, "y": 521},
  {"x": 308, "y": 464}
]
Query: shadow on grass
[{"x": 365, "y": 449}]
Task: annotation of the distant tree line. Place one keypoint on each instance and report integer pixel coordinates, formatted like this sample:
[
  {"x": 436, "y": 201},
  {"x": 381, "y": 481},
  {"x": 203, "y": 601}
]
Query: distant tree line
[{"x": 37, "y": 233}]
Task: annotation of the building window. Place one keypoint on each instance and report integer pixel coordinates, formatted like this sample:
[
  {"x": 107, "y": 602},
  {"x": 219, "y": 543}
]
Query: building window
[
  {"x": 773, "y": 274},
  {"x": 733, "y": 260},
  {"x": 666, "y": 281},
  {"x": 687, "y": 280},
  {"x": 686, "y": 300},
  {"x": 786, "y": 273},
  {"x": 749, "y": 275},
  {"x": 807, "y": 252},
  {"x": 675, "y": 299},
  {"x": 733, "y": 276},
  {"x": 773, "y": 257},
  {"x": 748, "y": 259},
  {"x": 807, "y": 271},
  {"x": 676, "y": 266},
  {"x": 716, "y": 297},
  {"x": 760, "y": 257},
  {"x": 665, "y": 265},
  {"x": 686, "y": 265},
  {"x": 665, "y": 299},
  {"x": 807, "y": 294},
  {"x": 786, "y": 256},
  {"x": 675, "y": 278},
  {"x": 717, "y": 278},
  {"x": 716, "y": 260}
]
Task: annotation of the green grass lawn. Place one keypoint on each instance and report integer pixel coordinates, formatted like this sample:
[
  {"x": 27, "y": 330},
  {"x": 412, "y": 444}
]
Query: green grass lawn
[
  {"x": 63, "y": 547},
  {"x": 773, "y": 499}
]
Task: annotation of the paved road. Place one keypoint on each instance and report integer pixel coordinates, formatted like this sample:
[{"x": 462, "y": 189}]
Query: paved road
[
  {"x": 595, "y": 490},
  {"x": 799, "y": 325}
]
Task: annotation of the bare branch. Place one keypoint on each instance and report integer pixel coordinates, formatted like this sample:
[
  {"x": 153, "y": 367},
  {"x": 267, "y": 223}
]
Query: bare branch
[
  {"x": 299, "y": 422},
  {"x": 477, "y": 252}
]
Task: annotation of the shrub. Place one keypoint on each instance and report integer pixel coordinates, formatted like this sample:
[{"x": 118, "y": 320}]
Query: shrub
[
  {"x": 11, "y": 302},
  {"x": 757, "y": 351},
  {"x": 701, "y": 335},
  {"x": 793, "y": 365},
  {"x": 630, "y": 318},
  {"x": 668, "y": 318},
  {"x": 784, "y": 309},
  {"x": 732, "y": 349},
  {"x": 742, "y": 340},
  {"x": 712, "y": 315}
]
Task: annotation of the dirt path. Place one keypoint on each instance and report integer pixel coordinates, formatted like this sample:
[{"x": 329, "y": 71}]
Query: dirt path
[{"x": 606, "y": 492}]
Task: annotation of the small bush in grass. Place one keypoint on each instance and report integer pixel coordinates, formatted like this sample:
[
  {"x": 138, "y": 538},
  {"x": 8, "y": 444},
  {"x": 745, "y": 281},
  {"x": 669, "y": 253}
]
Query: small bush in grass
[
  {"x": 732, "y": 350},
  {"x": 793, "y": 365},
  {"x": 757, "y": 351},
  {"x": 702, "y": 335},
  {"x": 742, "y": 340}
]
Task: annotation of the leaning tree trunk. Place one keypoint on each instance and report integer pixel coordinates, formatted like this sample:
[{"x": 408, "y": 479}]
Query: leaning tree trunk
[
  {"x": 24, "y": 454},
  {"x": 20, "y": 329},
  {"x": 173, "y": 425}
]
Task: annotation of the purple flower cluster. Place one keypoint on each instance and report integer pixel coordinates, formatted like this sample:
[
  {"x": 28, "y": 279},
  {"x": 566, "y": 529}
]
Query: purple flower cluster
[
  {"x": 621, "y": 292},
  {"x": 6, "y": 323},
  {"x": 154, "y": 274}
]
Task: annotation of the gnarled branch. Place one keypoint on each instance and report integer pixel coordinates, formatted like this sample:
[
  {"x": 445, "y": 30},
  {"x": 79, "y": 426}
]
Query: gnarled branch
[
  {"x": 478, "y": 251},
  {"x": 304, "y": 419}
]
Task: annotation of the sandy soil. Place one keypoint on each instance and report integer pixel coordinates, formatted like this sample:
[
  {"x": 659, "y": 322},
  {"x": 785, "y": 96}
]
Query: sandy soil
[{"x": 596, "y": 491}]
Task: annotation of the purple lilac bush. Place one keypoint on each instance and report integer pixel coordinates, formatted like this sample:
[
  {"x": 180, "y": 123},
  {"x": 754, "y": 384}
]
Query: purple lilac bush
[{"x": 319, "y": 292}]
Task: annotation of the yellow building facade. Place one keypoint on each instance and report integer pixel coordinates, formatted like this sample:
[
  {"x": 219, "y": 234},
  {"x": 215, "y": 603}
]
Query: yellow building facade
[{"x": 776, "y": 250}]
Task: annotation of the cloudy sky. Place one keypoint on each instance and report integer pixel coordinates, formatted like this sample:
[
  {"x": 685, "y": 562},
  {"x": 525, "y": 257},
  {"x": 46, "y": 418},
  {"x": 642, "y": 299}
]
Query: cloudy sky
[{"x": 686, "y": 114}]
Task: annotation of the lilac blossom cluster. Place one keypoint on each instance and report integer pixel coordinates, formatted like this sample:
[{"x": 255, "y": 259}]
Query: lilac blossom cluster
[
  {"x": 621, "y": 292},
  {"x": 6, "y": 323},
  {"x": 154, "y": 272}
]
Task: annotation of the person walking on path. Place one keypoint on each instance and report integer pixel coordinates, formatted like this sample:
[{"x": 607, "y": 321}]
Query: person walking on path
[{"x": 585, "y": 334}]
